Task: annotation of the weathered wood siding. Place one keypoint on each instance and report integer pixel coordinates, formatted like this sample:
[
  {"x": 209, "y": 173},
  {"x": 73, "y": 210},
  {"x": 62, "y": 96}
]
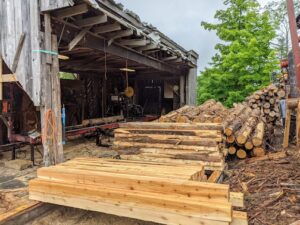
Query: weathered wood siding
[
  {"x": 48, "y": 5},
  {"x": 18, "y": 17}
]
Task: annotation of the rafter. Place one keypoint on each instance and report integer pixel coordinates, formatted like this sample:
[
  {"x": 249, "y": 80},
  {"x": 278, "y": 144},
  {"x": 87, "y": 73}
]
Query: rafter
[
  {"x": 107, "y": 28},
  {"x": 171, "y": 58},
  {"x": 71, "y": 11},
  {"x": 147, "y": 47},
  {"x": 78, "y": 38},
  {"x": 134, "y": 42},
  {"x": 119, "y": 34},
  {"x": 91, "y": 21}
]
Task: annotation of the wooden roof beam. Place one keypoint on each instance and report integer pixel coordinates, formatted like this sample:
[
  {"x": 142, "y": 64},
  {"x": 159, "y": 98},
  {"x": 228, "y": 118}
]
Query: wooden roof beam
[
  {"x": 92, "y": 21},
  {"x": 78, "y": 38},
  {"x": 118, "y": 35},
  {"x": 71, "y": 11},
  {"x": 134, "y": 42},
  {"x": 147, "y": 47},
  {"x": 107, "y": 28},
  {"x": 171, "y": 58}
]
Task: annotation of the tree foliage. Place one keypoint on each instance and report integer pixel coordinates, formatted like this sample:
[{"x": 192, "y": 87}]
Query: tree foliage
[
  {"x": 279, "y": 17},
  {"x": 244, "y": 60}
]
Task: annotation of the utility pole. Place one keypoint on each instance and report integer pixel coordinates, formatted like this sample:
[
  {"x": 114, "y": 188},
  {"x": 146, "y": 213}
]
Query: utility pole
[{"x": 294, "y": 38}]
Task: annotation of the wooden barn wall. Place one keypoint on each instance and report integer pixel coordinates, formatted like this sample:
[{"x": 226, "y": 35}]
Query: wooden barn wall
[
  {"x": 22, "y": 17},
  {"x": 47, "y": 5}
]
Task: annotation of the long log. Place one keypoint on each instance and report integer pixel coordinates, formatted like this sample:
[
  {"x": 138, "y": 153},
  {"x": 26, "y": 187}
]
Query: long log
[
  {"x": 258, "y": 136},
  {"x": 237, "y": 123},
  {"x": 247, "y": 128},
  {"x": 174, "y": 126}
]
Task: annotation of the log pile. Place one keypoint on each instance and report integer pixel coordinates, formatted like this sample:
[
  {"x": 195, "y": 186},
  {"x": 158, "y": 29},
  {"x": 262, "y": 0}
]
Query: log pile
[
  {"x": 267, "y": 101},
  {"x": 182, "y": 143},
  {"x": 209, "y": 112},
  {"x": 250, "y": 123},
  {"x": 156, "y": 192}
]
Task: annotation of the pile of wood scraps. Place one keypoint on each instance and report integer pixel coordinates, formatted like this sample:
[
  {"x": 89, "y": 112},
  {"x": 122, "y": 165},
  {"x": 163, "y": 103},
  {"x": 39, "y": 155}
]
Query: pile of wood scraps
[
  {"x": 181, "y": 143},
  {"x": 158, "y": 192}
]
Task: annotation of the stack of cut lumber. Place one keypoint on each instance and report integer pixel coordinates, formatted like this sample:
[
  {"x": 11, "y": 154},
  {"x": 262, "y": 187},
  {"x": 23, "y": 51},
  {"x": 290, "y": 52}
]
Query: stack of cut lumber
[
  {"x": 197, "y": 143},
  {"x": 209, "y": 112},
  {"x": 156, "y": 192}
]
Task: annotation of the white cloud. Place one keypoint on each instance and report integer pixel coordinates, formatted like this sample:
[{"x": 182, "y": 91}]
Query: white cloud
[{"x": 180, "y": 20}]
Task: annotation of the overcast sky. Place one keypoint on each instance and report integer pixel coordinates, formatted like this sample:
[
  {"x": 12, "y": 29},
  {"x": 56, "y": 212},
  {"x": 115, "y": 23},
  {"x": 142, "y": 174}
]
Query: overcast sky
[{"x": 180, "y": 20}]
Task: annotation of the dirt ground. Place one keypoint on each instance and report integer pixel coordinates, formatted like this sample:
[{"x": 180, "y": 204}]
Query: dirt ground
[
  {"x": 71, "y": 216},
  {"x": 271, "y": 188}
]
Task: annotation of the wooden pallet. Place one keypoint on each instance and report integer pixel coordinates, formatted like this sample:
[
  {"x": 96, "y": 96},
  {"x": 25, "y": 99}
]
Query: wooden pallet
[{"x": 157, "y": 192}]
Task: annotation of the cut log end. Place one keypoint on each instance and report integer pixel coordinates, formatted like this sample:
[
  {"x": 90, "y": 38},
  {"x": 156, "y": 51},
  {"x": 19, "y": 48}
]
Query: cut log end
[
  {"x": 241, "y": 154},
  {"x": 259, "y": 151},
  {"x": 232, "y": 150}
]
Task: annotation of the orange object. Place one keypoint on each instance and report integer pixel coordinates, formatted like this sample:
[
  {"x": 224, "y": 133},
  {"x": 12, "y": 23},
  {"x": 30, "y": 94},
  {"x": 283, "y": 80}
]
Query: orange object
[{"x": 5, "y": 106}]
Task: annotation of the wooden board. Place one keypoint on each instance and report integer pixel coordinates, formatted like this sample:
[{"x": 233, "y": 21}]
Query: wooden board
[{"x": 158, "y": 192}]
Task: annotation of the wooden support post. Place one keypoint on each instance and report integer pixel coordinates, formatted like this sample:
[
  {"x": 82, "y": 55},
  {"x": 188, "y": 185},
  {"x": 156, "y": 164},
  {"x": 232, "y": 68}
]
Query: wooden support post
[
  {"x": 1, "y": 72},
  {"x": 56, "y": 101},
  {"x": 51, "y": 103},
  {"x": 181, "y": 90},
  {"x": 298, "y": 125},
  {"x": 287, "y": 128}
]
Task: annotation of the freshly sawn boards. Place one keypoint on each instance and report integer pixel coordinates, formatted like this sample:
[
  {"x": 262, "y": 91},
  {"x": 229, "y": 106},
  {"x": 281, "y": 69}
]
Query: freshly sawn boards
[{"x": 158, "y": 192}]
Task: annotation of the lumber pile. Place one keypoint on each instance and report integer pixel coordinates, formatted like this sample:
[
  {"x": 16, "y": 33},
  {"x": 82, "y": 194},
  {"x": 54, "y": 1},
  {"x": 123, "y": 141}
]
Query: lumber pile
[
  {"x": 156, "y": 192},
  {"x": 183, "y": 143},
  {"x": 209, "y": 112}
]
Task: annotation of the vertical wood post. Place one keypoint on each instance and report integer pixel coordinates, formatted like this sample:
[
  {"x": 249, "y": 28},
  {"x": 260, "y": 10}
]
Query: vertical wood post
[
  {"x": 182, "y": 90},
  {"x": 51, "y": 98},
  {"x": 1, "y": 84},
  {"x": 294, "y": 38}
]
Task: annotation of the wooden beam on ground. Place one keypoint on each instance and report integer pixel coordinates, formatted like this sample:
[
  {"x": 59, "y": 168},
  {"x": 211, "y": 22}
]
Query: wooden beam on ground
[
  {"x": 119, "y": 34},
  {"x": 107, "y": 28},
  {"x": 18, "y": 53},
  {"x": 237, "y": 199},
  {"x": 214, "y": 177},
  {"x": 239, "y": 218},
  {"x": 134, "y": 42},
  {"x": 71, "y": 11},
  {"x": 91, "y": 21},
  {"x": 25, "y": 213},
  {"x": 78, "y": 38}
]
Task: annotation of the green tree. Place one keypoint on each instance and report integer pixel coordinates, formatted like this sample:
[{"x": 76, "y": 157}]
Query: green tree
[
  {"x": 279, "y": 17},
  {"x": 244, "y": 60}
]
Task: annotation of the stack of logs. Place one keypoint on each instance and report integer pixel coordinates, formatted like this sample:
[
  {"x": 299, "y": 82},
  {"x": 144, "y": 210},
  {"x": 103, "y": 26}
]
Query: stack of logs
[
  {"x": 267, "y": 101},
  {"x": 249, "y": 123},
  {"x": 209, "y": 112}
]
